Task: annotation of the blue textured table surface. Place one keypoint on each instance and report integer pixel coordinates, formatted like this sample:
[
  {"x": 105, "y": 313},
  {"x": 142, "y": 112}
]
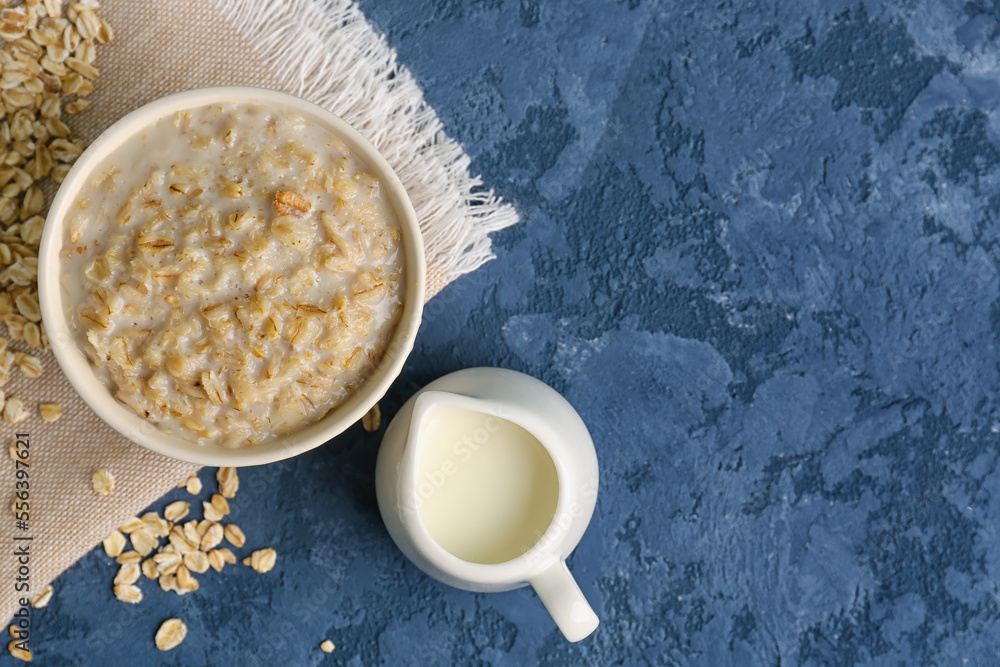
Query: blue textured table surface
[{"x": 759, "y": 255}]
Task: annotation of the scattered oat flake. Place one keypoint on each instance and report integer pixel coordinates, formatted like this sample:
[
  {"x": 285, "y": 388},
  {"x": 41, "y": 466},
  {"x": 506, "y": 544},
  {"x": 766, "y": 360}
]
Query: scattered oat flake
[
  {"x": 327, "y": 646},
  {"x": 191, "y": 531},
  {"x": 193, "y": 485},
  {"x": 229, "y": 481},
  {"x": 50, "y": 411},
  {"x": 220, "y": 504},
  {"x": 127, "y": 574},
  {"x": 171, "y": 633},
  {"x": 166, "y": 568},
  {"x": 185, "y": 581},
  {"x": 227, "y": 555},
  {"x": 261, "y": 560},
  {"x": 234, "y": 535},
  {"x": 14, "y": 410},
  {"x": 212, "y": 537},
  {"x": 166, "y": 560},
  {"x": 114, "y": 544},
  {"x": 210, "y": 512},
  {"x": 76, "y": 106},
  {"x": 176, "y": 511},
  {"x": 143, "y": 541},
  {"x": 128, "y": 593},
  {"x": 128, "y": 557},
  {"x": 103, "y": 481},
  {"x": 155, "y": 524},
  {"x": 215, "y": 560},
  {"x": 30, "y": 366},
  {"x": 196, "y": 561},
  {"x": 132, "y": 525},
  {"x": 372, "y": 419},
  {"x": 42, "y": 599},
  {"x": 168, "y": 582},
  {"x": 17, "y": 651},
  {"x": 179, "y": 540}
]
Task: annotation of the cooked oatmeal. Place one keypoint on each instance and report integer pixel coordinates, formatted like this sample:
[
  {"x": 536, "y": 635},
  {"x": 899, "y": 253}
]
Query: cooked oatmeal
[{"x": 233, "y": 273}]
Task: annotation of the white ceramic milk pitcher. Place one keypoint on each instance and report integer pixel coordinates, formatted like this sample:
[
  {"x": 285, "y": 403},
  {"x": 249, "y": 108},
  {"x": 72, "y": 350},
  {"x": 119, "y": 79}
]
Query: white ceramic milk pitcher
[{"x": 486, "y": 480}]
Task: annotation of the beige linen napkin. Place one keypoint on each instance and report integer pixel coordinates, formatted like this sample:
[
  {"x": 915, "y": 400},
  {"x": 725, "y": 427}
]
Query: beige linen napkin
[{"x": 323, "y": 51}]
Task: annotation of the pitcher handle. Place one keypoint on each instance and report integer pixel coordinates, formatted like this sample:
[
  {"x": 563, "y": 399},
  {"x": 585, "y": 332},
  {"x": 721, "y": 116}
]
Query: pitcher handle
[{"x": 562, "y": 597}]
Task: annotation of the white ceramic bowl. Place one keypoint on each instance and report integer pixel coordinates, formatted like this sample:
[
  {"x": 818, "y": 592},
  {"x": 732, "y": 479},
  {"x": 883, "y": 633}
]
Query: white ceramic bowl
[{"x": 78, "y": 369}]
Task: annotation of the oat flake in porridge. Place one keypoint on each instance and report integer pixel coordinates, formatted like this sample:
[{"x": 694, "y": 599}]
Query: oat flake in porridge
[{"x": 233, "y": 273}]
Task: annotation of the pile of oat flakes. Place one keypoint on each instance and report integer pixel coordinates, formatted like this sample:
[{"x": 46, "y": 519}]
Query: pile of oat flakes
[
  {"x": 192, "y": 547},
  {"x": 46, "y": 70}
]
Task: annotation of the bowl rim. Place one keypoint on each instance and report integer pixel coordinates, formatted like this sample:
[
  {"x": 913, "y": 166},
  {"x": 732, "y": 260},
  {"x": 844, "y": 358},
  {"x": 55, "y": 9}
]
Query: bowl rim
[{"x": 78, "y": 369}]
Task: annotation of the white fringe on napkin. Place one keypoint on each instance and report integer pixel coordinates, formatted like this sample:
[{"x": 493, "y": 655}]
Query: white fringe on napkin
[{"x": 401, "y": 126}]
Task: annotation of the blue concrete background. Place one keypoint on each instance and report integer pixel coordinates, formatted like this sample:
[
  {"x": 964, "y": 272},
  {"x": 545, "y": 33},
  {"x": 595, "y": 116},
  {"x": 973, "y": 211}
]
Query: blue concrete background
[{"x": 759, "y": 255}]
